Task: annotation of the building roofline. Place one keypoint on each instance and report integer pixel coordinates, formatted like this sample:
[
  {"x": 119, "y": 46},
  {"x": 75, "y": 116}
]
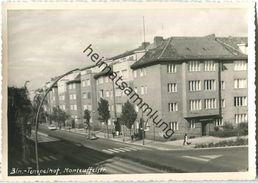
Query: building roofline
[{"x": 158, "y": 61}]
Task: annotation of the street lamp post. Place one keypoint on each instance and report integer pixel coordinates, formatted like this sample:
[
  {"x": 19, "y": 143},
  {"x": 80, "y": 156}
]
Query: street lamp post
[{"x": 37, "y": 116}]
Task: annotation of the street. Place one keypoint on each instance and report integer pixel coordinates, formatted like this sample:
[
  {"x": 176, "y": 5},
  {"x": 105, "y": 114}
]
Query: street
[
  {"x": 192, "y": 160},
  {"x": 70, "y": 152}
]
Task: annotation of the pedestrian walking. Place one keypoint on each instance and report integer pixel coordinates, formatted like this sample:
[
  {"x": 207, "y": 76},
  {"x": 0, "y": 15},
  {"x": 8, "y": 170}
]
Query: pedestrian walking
[{"x": 185, "y": 139}]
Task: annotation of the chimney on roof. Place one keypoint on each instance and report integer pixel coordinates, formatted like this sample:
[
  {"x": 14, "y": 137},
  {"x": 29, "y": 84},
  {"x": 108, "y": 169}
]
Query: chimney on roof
[
  {"x": 145, "y": 44},
  {"x": 158, "y": 40}
]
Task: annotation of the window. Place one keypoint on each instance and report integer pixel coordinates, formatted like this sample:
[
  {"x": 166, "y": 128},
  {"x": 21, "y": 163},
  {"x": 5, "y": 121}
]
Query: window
[
  {"x": 135, "y": 74},
  {"x": 173, "y": 125},
  {"x": 223, "y": 85},
  {"x": 101, "y": 93},
  {"x": 142, "y": 90},
  {"x": 223, "y": 103},
  {"x": 192, "y": 124},
  {"x": 240, "y": 65},
  {"x": 89, "y": 107},
  {"x": 54, "y": 98},
  {"x": 195, "y": 105},
  {"x": 100, "y": 80},
  {"x": 74, "y": 85},
  {"x": 144, "y": 72},
  {"x": 172, "y": 87},
  {"x": 84, "y": 107},
  {"x": 210, "y": 84},
  {"x": 240, "y": 83},
  {"x": 240, "y": 118},
  {"x": 124, "y": 74},
  {"x": 70, "y": 86},
  {"x": 83, "y": 83},
  {"x": 118, "y": 92},
  {"x": 195, "y": 85},
  {"x": 210, "y": 103},
  {"x": 73, "y": 107},
  {"x": 89, "y": 95},
  {"x": 73, "y": 97},
  {"x": 171, "y": 68},
  {"x": 172, "y": 107},
  {"x": 106, "y": 79},
  {"x": 107, "y": 93},
  {"x": 88, "y": 82},
  {"x": 209, "y": 66},
  {"x": 218, "y": 122},
  {"x": 141, "y": 72},
  {"x": 240, "y": 101},
  {"x": 135, "y": 90},
  {"x": 145, "y": 90},
  {"x": 194, "y": 66},
  {"x": 136, "y": 108},
  {"x": 119, "y": 108},
  {"x": 84, "y": 95}
]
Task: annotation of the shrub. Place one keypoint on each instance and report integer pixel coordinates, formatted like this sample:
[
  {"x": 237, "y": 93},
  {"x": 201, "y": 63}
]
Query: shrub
[
  {"x": 192, "y": 137},
  {"x": 228, "y": 126},
  {"x": 216, "y": 128},
  {"x": 237, "y": 142},
  {"x": 243, "y": 128},
  {"x": 224, "y": 133}
]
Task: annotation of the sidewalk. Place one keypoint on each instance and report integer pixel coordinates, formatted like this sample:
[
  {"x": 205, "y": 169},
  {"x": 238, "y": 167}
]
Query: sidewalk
[{"x": 165, "y": 146}]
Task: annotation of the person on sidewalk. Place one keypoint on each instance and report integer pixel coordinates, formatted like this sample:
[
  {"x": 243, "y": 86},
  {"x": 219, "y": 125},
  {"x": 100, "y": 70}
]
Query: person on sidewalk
[{"x": 185, "y": 139}]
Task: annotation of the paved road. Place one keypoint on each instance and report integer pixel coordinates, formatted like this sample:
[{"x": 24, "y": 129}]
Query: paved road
[
  {"x": 74, "y": 158},
  {"x": 202, "y": 160}
]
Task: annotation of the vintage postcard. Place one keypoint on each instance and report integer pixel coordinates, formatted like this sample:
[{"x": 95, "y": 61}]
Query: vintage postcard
[{"x": 128, "y": 91}]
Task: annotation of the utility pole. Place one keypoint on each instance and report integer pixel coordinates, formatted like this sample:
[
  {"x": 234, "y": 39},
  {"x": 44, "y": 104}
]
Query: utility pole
[{"x": 143, "y": 24}]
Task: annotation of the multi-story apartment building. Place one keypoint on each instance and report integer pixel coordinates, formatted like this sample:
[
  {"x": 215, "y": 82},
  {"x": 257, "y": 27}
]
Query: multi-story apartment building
[
  {"x": 74, "y": 98},
  {"x": 89, "y": 94},
  {"x": 108, "y": 89},
  {"x": 199, "y": 83},
  {"x": 194, "y": 83}
]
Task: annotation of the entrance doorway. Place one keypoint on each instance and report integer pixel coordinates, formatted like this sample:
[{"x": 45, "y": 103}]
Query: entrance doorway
[{"x": 204, "y": 128}]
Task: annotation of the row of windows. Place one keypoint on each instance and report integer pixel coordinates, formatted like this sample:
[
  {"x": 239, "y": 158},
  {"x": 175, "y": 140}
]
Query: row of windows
[
  {"x": 73, "y": 107},
  {"x": 86, "y": 95},
  {"x": 62, "y": 97},
  {"x": 143, "y": 72},
  {"x": 86, "y": 83},
  {"x": 62, "y": 107},
  {"x": 240, "y": 101},
  {"x": 73, "y": 97},
  {"x": 212, "y": 103},
  {"x": 195, "y": 66},
  {"x": 87, "y": 107},
  {"x": 72, "y": 86}
]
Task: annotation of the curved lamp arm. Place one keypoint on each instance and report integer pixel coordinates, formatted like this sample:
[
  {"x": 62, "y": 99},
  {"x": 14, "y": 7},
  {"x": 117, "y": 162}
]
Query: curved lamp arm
[{"x": 37, "y": 116}]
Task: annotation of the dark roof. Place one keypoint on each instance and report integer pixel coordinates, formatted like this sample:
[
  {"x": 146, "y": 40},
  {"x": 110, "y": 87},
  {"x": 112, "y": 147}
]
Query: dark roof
[
  {"x": 77, "y": 79},
  {"x": 104, "y": 73},
  {"x": 127, "y": 53},
  {"x": 231, "y": 43},
  {"x": 186, "y": 48}
]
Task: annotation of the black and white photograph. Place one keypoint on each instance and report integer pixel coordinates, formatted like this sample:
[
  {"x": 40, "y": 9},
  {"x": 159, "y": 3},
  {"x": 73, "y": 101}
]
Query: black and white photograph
[{"x": 127, "y": 90}]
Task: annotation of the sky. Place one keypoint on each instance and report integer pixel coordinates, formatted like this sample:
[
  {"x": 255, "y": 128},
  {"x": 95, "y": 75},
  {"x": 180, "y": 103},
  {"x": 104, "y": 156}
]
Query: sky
[{"x": 46, "y": 43}]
